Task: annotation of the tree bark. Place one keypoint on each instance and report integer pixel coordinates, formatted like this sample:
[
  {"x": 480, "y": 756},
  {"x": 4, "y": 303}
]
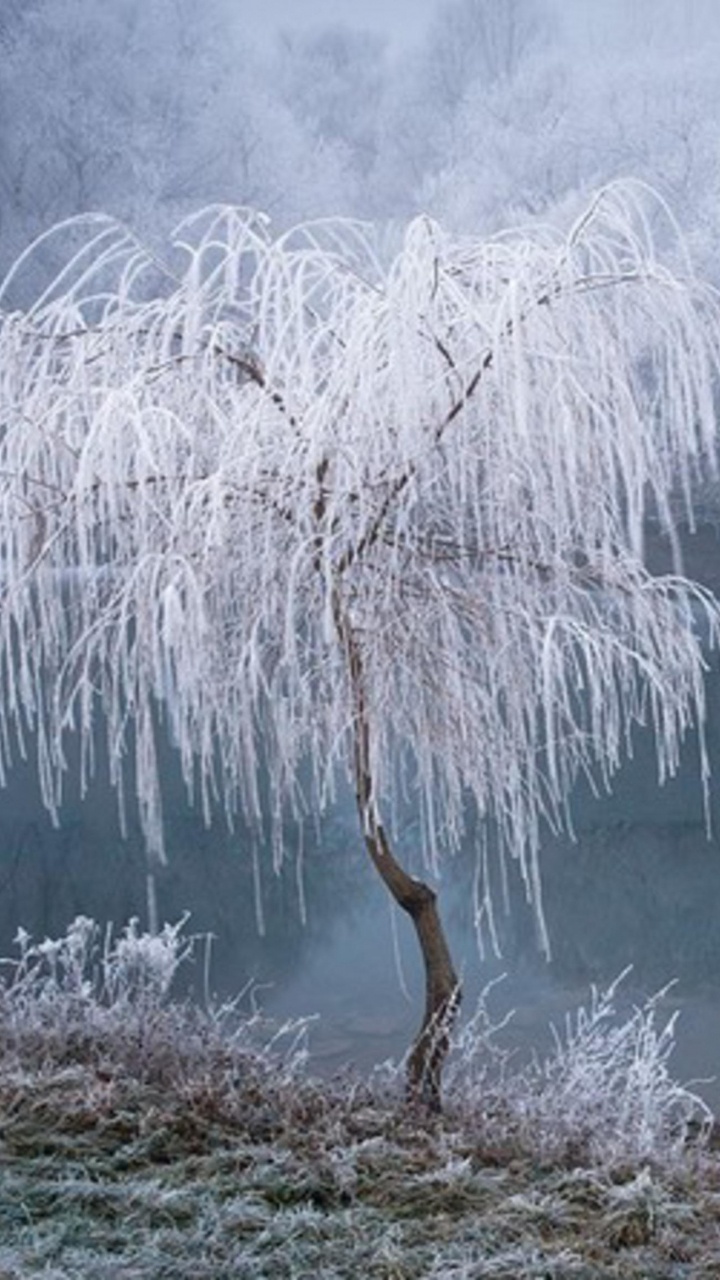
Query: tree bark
[{"x": 442, "y": 987}]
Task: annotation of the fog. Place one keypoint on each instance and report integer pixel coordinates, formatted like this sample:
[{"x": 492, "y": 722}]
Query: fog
[
  {"x": 483, "y": 113},
  {"x": 401, "y": 23}
]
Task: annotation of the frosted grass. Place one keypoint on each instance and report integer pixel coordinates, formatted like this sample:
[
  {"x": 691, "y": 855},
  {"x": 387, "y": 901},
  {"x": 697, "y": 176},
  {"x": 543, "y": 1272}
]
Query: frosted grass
[{"x": 142, "y": 1137}]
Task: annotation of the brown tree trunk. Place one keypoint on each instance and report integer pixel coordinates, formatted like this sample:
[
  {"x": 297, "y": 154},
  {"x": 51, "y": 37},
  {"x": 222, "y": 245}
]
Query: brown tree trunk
[{"x": 442, "y": 988}]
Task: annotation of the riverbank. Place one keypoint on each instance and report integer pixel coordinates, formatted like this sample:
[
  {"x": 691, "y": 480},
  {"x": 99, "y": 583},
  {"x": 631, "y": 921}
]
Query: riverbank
[{"x": 147, "y": 1139}]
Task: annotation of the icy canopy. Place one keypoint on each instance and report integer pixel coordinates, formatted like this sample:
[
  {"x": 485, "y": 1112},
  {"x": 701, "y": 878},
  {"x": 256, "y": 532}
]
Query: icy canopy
[{"x": 205, "y": 463}]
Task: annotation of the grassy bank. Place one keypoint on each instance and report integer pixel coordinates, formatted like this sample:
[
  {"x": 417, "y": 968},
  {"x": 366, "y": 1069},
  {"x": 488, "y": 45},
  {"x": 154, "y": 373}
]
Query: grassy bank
[{"x": 143, "y": 1138}]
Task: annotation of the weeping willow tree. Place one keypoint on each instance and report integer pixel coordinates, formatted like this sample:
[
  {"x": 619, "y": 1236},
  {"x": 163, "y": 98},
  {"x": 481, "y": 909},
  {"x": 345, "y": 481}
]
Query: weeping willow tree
[{"x": 321, "y": 515}]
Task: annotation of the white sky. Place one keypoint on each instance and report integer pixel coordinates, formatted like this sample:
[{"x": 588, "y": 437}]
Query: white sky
[{"x": 403, "y": 21}]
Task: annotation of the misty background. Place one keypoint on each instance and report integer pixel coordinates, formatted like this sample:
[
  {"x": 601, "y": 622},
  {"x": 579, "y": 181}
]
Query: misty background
[{"x": 483, "y": 114}]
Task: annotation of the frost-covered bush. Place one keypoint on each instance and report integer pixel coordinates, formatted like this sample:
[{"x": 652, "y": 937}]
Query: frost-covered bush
[
  {"x": 604, "y": 1095},
  {"x": 90, "y": 998},
  {"x": 85, "y": 974},
  {"x": 607, "y": 1084},
  {"x": 140, "y": 967},
  {"x": 102, "y": 1007},
  {"x": 97, "y": 970}
]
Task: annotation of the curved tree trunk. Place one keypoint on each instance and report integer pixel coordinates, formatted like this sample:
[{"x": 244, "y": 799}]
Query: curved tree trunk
[{"x": 442, "y": 988}]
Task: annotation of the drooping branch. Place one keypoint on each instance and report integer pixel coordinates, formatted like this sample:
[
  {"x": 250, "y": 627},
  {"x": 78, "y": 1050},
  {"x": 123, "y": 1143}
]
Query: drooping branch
[{"x": 465, "y": 440}]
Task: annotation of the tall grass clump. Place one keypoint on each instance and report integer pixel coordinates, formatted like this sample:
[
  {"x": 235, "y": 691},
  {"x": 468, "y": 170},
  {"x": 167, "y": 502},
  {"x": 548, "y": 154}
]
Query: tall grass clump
[
  {"x": 100, "y": 1009},
  {"x": 603, "y": 1096}
]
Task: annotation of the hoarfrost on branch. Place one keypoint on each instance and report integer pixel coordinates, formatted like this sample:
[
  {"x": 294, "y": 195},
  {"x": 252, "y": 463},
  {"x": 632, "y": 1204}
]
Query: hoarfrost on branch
[{"x": 215, "y": 470}]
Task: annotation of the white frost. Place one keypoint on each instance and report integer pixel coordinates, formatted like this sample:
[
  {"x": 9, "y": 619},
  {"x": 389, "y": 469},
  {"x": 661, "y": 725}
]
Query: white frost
[{"x": 461, "y": 446}]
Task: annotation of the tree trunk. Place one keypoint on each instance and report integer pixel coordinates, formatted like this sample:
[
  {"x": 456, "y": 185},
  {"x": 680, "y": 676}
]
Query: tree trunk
[{"x": 442, "y": 988}]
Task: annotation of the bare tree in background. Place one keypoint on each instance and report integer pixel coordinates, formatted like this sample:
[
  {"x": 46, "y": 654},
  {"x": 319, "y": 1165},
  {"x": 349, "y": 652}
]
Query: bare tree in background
[
  {"x": 146, "y": 112},
  {"x": 483, "y": 40},
  {"x": 322, "y": 517}
]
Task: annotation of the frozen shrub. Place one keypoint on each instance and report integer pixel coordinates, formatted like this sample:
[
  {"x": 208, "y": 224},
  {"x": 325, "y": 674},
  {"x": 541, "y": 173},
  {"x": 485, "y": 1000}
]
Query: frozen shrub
[
  {"x": 140, "y": 967},
  {"x": 88, "y": 998},
  {"x": 603, "y": 1096},
  {"x": 83, "y": 969}
]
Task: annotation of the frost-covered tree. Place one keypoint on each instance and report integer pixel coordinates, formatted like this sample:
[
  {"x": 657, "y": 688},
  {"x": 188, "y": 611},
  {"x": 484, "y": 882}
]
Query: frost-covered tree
[
  {"x": 333, "y": 80},
  {"x": 593, "y": 93},
  {"x": 147, "y": 112},
  {"x": 511, "y": 155},
  {"x": 474, "y": 50},
  {"x": 484, "y": 40},
  {"x": 328, "y": 517}
]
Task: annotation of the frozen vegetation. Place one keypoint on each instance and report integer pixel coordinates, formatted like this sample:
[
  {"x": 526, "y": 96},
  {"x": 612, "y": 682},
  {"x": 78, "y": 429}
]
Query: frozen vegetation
[
  {"x": 231, "y": 469},
  {"x": 146, "y": 1138},
  {"x": 337, "y": 518},
  {"x": 493, "y": 112}
]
